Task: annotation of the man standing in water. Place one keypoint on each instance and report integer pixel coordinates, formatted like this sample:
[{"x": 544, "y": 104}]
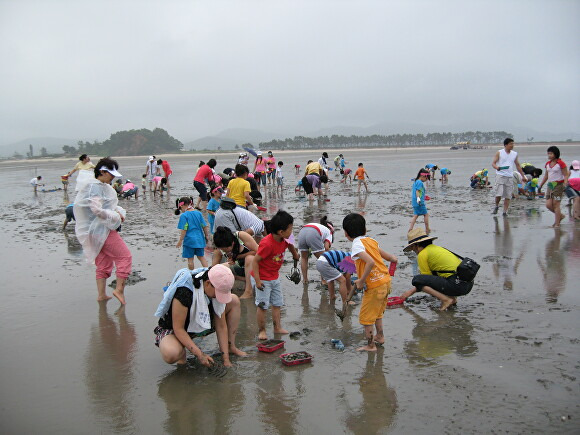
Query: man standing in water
[{"x": 503, "y": 163}]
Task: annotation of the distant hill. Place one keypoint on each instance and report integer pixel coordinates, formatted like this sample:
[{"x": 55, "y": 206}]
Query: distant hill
[
  {"x": 228, "y": 139},
  {"x": 52, "y": 145}
]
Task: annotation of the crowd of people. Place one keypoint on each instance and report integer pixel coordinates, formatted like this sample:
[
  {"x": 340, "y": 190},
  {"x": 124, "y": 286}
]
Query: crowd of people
[{"x": 244, "y": 247}]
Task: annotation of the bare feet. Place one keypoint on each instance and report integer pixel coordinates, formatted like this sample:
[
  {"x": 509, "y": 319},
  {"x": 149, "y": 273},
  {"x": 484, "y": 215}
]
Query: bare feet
[
  {"x": 119, "y": 295},
  {"x": 235, "y": 351},
  {"x": 447, "y": 303},
  {"x": 367, "y": 348},
  {"x": 379, "y": 340},
  {"x": 280, "y": 331},
  {"x": 262, "y": 335},
  {"x": 247, "y": 295},
  {"x": 104, "y": 298}
]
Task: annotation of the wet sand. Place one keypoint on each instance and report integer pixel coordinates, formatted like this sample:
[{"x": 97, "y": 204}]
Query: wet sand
[{"x": 504, "y": 360}]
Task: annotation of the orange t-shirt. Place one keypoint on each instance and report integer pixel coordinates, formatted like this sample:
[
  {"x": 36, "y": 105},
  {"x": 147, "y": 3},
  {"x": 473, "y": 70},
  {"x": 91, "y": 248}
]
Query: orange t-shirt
[
  {"x": 360, "y": 174},
  {"x": 380, "y": 273}
]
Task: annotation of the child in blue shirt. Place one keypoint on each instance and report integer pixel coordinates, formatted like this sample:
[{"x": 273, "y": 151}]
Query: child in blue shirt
[
  {"x": 418, "y": 199},
  {"x": 213, "y": 205},
  {"x": 194, "y": 232}
]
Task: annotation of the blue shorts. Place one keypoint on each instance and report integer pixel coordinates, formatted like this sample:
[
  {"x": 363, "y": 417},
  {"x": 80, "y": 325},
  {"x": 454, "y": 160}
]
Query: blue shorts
[
  {"x": 192, "y": 252},
  {"x": 271, "y": 295},
  {"x": 420, "y": 210}
]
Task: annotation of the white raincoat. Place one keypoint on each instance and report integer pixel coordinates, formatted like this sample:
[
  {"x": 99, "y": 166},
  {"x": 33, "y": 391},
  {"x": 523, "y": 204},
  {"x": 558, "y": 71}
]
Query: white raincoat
[
  {"x": 85, "y": 176},
  {"x": 96, "y": 214}
]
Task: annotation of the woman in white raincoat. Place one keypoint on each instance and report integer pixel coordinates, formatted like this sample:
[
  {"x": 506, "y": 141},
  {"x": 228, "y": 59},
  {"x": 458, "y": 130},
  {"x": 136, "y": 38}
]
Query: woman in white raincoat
[
  {"x": 98, "y": 217},
  {"x": 85, "y": 168}
]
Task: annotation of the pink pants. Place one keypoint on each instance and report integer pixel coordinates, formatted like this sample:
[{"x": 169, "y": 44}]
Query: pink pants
[{"x": 114, "y": 251}]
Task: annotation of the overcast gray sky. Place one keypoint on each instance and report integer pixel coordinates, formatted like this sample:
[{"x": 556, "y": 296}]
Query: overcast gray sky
[{"x": 87, "y": 69}]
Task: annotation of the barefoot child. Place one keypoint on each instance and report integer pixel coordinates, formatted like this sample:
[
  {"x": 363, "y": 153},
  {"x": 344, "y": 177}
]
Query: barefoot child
[
  {"x": 144, "y": 182},
  {"x": 557, "y": 177},
  {"x": 360, "y": 175},
  {"x": 266, "y": 272},
  {"x": 418, "y": 199},
  {"x": 213, "y": 205},
  {"x": 194, "y": 232},
  {"x": 330, "y": 271},
  {"x": 346, "y": 174},
  {"x": 279, "y": 177},
  {"x": 373, "y": 273},
  {"x": 70, "y": 215}
]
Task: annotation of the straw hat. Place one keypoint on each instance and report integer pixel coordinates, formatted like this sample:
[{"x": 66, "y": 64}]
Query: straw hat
[{"x": 416, "y": 236}]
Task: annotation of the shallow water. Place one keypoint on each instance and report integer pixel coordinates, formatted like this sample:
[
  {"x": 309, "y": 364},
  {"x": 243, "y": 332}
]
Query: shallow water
[{"x": 505, "y": 359}]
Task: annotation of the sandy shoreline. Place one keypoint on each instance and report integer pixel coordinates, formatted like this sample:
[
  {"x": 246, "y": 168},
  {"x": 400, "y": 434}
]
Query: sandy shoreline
[{"x": 12, "y": 163}]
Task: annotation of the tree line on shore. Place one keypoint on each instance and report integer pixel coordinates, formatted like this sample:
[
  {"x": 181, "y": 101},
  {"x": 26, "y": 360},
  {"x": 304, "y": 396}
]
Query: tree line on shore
[
  {"x": 158, "y": 141},
  {"x": 381, "y": 141}
]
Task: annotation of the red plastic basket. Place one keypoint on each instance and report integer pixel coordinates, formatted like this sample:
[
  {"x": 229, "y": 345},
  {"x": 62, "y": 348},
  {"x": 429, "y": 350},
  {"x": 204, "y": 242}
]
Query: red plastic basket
[
  {"x": 395, "y": 300},
  {"x": 302, "y": 358},
  {"x": 270, "y": 345}
]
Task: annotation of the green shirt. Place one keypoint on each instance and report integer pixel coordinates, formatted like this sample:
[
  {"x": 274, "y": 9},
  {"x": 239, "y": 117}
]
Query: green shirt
[{"x": 433, "y": 258}]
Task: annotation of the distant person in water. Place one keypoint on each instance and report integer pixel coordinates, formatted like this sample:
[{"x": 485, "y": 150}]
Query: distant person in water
[
  {"x": 361, "y": 175},
  {"x": 85, "y": 168},
  {"x": 418, "y": 200},
  {"x": 35, "y": 182},
  {"x": 69, "y": 215}
]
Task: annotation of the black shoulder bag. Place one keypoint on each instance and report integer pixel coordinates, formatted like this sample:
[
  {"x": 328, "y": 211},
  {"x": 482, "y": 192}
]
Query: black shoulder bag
[{"x": 467, "y": 269}]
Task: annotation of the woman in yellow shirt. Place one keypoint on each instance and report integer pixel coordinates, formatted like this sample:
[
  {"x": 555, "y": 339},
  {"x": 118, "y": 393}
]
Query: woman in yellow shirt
[
  {"x": 437, "y": 267},
  {"x": 85, "y": 168}
]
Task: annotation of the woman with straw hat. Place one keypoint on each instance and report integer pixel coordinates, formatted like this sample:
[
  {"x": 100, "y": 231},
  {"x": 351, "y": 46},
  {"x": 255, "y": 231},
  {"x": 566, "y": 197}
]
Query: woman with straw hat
[{"x": 438, "y": 270}]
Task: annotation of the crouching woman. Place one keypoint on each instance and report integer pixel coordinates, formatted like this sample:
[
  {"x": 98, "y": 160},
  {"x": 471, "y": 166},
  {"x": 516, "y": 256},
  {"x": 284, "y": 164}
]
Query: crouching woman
[
  {"x": 438, "y": 270},
  {"x": 198, "y": 303}
]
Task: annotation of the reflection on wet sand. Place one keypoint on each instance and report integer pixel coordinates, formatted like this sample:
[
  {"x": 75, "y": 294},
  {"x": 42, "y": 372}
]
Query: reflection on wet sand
[
  {"x": 507, "y": 260},
  {"x": 553, "y": 267},
  {"x": 278, "y": 408},
  {"x": 196, "y": 402},
  {"x": 379, "y": 401},
  {"x": 443, "y": 335},
  {"x": 108, "y": 366}
]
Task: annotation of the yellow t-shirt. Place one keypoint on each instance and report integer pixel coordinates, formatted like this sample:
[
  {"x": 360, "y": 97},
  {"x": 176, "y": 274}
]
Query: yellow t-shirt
[
  {"x": 380, "y": 273},
  {"x": 237, "y": 188},
  {"x": 84, "y": 166},
  {"x": 433, "y": 258},
  {"x": 313, "y": 168}
]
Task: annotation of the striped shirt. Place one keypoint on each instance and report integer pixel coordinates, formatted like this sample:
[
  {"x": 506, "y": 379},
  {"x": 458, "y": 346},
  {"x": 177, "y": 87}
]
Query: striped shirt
[{"x": 335, "y": 257}]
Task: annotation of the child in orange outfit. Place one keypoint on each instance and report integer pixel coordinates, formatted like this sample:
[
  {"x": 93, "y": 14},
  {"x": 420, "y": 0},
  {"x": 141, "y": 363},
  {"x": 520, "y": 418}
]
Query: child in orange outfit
[
  {"x": 360, "y": 175},
  {"x": 372, "y": 272}
]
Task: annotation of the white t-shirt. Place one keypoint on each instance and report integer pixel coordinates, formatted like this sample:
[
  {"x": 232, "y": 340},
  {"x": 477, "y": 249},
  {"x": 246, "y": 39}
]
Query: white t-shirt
[
  {"x": 574, "y": 173},
  {"x": 357, "y": 247},
  {"x": 279, "y": 172},
  {"x": 34, "y": 181}
]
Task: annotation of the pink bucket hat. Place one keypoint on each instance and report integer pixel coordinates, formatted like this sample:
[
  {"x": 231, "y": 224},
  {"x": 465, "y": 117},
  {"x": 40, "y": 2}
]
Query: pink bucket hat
[
  {"x": 575, "y": 164},
  {"x": 222, "y": 278}
]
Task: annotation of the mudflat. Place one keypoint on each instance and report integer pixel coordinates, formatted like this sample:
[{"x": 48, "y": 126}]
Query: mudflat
[{"x": 505, "y": 359}]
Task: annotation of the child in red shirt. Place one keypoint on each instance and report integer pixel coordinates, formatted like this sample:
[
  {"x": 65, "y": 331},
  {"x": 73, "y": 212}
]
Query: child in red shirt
[{"x": 265, "y": 274}]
